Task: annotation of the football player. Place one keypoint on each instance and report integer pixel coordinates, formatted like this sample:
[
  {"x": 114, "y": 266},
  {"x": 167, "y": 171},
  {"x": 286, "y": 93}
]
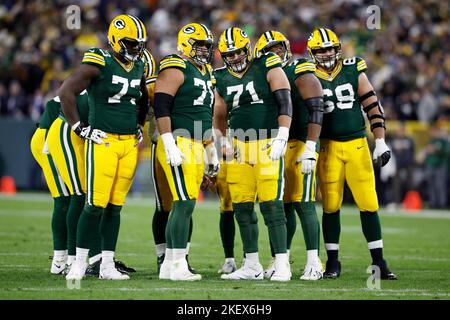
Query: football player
[
  {"x": 299, "y": 188},
  {"x": 163, "y": 197},
  {"x": 183, "y": 110},
  {"x": 344, "y": 152},
  {"x": 118, "y": 105},
  {"x": 58, "y": 190},
  {"x": 254, "y": 94}
]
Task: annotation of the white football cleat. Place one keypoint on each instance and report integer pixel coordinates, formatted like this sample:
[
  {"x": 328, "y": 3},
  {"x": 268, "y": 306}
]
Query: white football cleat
[
  {"x": 249, "y": 271},
  {"x": 58, "y": 265},
  {"x": 108, "y": 271},
  {"x": 180, "y": 272},
  {"x": 77, "y": 271},
  {"x": 282, "y": 271},
  {"x": 228, "y": 267},
  {"x": 164, "y": 270},
  {"x": 313, "y": 271},
  {"x": 268, "y": 273}
]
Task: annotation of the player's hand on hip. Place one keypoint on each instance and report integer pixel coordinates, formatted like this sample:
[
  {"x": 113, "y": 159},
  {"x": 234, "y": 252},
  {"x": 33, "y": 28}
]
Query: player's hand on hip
[
  {"x": 278, "y": 144},
  {"x": 308, "y": 157},
  {"x": 381, "y": 154},
  {"x": 212, "y": 165},
  {"x": 88, "y": 133},
  {"x": 174, "y": 156},
  {"x": 140, "y": 133}
]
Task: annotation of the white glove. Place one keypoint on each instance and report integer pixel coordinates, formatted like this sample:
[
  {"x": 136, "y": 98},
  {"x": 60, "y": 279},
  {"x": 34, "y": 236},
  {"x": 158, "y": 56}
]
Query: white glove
[
  {"x": 174, "y": 156},
  {"x": 88, "y": 133},
  {"x": 45, "y": 148},
  {"x": 278, "y": 144},
  {"x": 139, "y": 133},
  {"x": 308, "y": 157},
  {"x": 212, "y": 164},
  {"x": 381, "y": 154}
]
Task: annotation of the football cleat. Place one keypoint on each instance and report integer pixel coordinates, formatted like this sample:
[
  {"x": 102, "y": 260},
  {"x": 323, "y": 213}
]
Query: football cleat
[
  {"x": 58, "y": 265},
  {"x": 159, "y": 261},
  {"x": 192, "y": 270},
  {"x": 122, "y": 267},
  {"x": 268, "y": 273},
  {"x": 385, "y": 273},
  {"x": 164, "y": 271},
  {"x": 77, "y": 271},
  {"x": 179, "y": 271},
  {"x": 332, "y": 269},
  {"x": 108, "y": 271},
  {"x": 93, "y": 270},
  {"x": 228, "y": 267},
  {"x": 282, "y": 271},
  {"x": 249, "y": 271},
  {"x": 313, "y": 271}
]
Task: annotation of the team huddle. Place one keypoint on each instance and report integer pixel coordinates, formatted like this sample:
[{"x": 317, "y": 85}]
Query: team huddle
[{"x": 261, "y": 129}]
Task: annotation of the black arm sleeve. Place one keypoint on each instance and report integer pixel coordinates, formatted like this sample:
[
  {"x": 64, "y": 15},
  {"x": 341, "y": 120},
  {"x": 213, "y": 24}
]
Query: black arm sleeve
[
  {"x": 284, "y": 102},
  {"x": 315, "y": 109},
  {"x": 163, "y": 104}
]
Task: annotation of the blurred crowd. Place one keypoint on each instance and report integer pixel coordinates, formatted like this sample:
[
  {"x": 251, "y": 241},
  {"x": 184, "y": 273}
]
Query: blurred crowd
[{"x": 408, "y": 55}]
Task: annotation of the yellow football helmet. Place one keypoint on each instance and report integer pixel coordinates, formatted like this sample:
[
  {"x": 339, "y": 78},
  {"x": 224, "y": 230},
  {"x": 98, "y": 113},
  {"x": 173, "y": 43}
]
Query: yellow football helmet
[
  {"x": 127, "y": 36},
  {"x": 272, "y": 38},
  {"x": 323, "y": 38},
  {"x": 149, "y": 64},
  {"x": 193, "y": 38},
  {"x": 232, "y": 41}
]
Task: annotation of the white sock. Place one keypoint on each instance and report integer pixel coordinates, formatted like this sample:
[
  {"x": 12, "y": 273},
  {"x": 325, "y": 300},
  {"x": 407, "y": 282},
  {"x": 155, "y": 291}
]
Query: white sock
[
  {"x": 161, "y": 249},
  {"x": 179, "y": 254},
  {"x": 288, "y": 253},
  {"x": 281, "y": 257},
  {"x": 252, "y": 257},
  {"x": 187, "y": 248},
  {"x": 312, "y": 256},
  {"x": 70, "y": 259},
  {"x": 95, "y": 258},
  {"x": 82, "y": 255},
  {"x": 59, "y": 254},
  {"x": 107, "y": 257},
  {"x": 169, "y": 255},
  {"x": 229, "y": 260}
]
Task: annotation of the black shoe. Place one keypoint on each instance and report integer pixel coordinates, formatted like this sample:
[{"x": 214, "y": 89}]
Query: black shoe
[
  {"x": 93, "y": 270},
  {"x": 122, "y": 267},
  {"x": 385, "y": 273},
  {"x": 192, "y": 270},
  {"x": 159, "y": 261},
  {"x": 332, "y": 269}
]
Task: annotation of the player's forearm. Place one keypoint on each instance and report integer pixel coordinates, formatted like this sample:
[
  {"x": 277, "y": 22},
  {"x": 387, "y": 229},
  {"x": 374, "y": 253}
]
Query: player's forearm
[
  {"x": 69, "y": 106},
  {"x": 313, "y": 131},
  {"x": 284, "y": 121},
  {"x": 164, "y": 125},
  {"x": 375, "y": 116},
  {"x": 220, "y": 122}
]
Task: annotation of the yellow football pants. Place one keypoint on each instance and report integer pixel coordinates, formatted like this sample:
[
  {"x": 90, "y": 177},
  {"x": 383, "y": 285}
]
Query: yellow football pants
[
  {"x": 67, "y": 150},
  {"x": 184, "y": 180},
  {"x": 253, "y": 174},
  {"x": 53, "y": 178},
  {"x": 298, "y": 186},
  {"x": 160, "y": 184},
  {"x": 350, "y": 161},
  {"x": 110, "y": 169},
  {"x": 223, "y": 190}
]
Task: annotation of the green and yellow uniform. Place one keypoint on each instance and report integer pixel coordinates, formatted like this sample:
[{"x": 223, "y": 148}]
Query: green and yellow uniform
[
  {"x": 52, "y": 176},
  {"x": 191, "y": 118},
  {"x": 298, "y": 186},
  {"x": 344, "y": 152},
  {"x": 252, "y": 109},
  {"x": 113, "y": 96}
]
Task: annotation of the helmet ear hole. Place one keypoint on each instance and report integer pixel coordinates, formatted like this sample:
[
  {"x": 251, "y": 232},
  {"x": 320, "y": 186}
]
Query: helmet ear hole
[{"x": 114, "y": 39}]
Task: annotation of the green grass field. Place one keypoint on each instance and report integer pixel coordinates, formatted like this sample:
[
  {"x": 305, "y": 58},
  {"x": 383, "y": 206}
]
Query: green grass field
[{"x": 416, "y": 246}]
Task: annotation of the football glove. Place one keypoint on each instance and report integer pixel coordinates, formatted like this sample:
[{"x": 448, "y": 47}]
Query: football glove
[
  {"x": 208, "y": 183},
  {"x": 212, "y": 164},
  {"x": 278, "y": 144},
  {"x": 174, "y": 156},
  {"x": 88, "y": 133},
  {"x": 381, "y": 154},
  {"x": 139, "y": 133},
  {"x": 308, "y": 157}
]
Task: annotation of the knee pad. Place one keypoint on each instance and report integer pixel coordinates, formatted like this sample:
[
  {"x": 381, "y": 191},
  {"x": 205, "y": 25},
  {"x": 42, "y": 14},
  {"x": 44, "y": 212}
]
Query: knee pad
[
  {"x": 186, "y": 206},
  {"x": 273, "y": 213},
  {"x": 244, "y": 213},
  {"x": 306, "y": 208},
  {"x": 93, "y": 210},
  {"x": 62, "y": 203}
]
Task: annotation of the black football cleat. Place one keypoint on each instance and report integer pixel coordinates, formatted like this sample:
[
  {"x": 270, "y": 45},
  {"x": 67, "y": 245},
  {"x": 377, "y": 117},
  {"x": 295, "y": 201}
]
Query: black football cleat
[
  {"x": 385, "y": 273},
  {"x": 93, "y": 270},
  {"x": 122, "y": 267},
  {"x": 159, "y": 261},
  {"x": 192, "y": 270},
  {"x": 332, "y": 269}
]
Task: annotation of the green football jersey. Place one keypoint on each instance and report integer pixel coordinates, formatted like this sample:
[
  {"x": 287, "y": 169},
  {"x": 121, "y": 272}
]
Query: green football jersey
[
  {"x": 343, "y": 117},
  {"x": 300, "y": 114},
  {"x": 249, "y": 99},
  {"x": 53, "y": 110},
  {"x": 192, "y": 106},
  {"x": 114, "y": 94}
]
